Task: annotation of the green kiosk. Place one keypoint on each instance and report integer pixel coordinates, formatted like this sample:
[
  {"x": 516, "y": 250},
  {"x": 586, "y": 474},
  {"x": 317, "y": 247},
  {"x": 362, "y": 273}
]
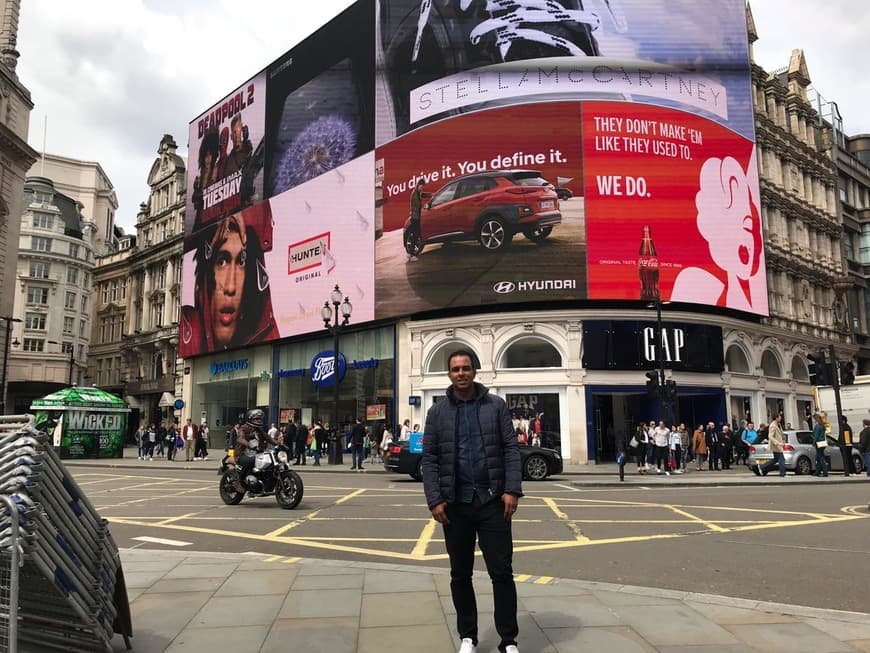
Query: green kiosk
[{"x": 84, "y": 422}]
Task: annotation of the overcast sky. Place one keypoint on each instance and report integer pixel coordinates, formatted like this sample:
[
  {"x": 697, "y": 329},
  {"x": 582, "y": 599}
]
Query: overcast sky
[{"x": 113, "y": 76}]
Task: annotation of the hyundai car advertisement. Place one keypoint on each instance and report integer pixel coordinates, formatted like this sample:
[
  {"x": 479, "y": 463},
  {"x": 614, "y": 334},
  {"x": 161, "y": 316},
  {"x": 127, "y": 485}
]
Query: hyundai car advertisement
[{"x": 431, "y": 154}]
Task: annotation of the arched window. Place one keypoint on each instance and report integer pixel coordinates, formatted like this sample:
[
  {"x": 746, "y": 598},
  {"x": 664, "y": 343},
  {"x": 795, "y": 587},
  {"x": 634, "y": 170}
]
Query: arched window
[
  {"x": 735, "y": 360},
  {"x": 438, "y": 359},
  {"x": 770, "y": 365},
  {"x": 530, "y": 352},
  {"x": 156, "y": 365},
  {"x": 799, "y": 369}
]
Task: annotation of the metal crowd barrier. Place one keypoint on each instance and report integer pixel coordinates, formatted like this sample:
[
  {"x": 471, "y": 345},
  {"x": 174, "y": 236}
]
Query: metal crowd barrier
[{"x": 61, "y": 583}]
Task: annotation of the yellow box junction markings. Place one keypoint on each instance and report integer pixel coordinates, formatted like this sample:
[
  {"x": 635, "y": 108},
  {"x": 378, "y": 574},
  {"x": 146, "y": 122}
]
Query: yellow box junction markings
[{"x": 421, "y": 543}]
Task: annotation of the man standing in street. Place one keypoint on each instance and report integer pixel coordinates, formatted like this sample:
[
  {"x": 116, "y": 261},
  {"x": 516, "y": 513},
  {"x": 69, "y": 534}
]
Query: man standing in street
[
  {"x": 189, "y": 433},
  {"x": 712, "y": 440},
  {"x": 357, "y": 439},
  {"x": 845, "y": 443},
  {"x": 473, "y": 481}
]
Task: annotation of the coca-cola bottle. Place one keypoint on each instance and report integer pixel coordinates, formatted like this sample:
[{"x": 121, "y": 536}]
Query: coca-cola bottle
[{"x": 648, "y": 267}]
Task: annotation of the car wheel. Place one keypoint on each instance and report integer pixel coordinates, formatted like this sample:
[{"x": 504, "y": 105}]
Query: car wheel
[
  {"x": 536, "y": 468},
  {"x": 493, "y": 235},
  {"x": 413, "y": 242},
  {"x": 418, "y": 473},
  {"x": 803, "y": 466},
  {"x": 539, "y": 234}
]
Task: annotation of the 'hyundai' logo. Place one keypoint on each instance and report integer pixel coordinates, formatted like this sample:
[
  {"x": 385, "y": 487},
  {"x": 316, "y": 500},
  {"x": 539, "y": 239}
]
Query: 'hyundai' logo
[{"x": 504, "y": 287}]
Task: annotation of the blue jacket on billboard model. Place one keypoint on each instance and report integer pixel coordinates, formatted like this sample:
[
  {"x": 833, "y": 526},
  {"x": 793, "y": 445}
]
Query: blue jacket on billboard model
[{"x": 440, "y": 447}]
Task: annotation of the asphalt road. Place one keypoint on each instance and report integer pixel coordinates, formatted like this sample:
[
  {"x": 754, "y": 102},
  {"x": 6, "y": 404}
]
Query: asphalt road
[{"x": 798, "y": 545}]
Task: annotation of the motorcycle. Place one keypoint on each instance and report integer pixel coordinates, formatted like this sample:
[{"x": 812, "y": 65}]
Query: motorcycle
[{"x": 271, "y": 475}]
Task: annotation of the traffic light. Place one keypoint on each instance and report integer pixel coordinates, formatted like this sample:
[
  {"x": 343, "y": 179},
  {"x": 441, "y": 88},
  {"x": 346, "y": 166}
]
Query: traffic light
[
  {"x": 652, "y": 384},
  {"x": 847, "y": 372},
  {"x": 819, "y": 369}
]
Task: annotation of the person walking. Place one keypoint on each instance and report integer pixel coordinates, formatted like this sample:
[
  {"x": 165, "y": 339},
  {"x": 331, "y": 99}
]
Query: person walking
[
  {"x": 642, "y": 440},
  {"x": 776, "y": 441},
  {"x": 820, "y": 444},
  {"x": 844, "y": 441},
  {"x": 200, "y": 451},
  {"x": 699, "y": 446},
  {"x": 661, "y": 435},
  {"x": 675, "y": 444},
  {"x": 472, "y": 479},
  {"x": 864, "y": 445},
  {"x": 319, "y": 434},
  {"x": 171, "y": 437},
  {"x": 140, "y": 440},
  {"x": 290, "y": 439}
]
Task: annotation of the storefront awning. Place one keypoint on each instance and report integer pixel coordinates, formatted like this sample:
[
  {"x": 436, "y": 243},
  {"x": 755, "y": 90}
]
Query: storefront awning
[{"x": 167, "y": 400}]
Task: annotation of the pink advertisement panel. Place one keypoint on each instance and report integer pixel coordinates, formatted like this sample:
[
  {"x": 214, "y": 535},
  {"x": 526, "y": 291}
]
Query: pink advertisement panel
[{"x": 264, "y": 272}]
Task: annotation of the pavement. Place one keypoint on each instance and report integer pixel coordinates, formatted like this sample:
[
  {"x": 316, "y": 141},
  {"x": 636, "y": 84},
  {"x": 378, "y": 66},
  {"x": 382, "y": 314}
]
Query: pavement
[{"x": 257, "y": 603}]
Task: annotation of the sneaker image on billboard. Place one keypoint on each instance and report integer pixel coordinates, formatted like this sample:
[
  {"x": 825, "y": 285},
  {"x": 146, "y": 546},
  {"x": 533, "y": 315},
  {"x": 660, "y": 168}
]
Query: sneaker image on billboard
[{"x": 420, "y": 41}]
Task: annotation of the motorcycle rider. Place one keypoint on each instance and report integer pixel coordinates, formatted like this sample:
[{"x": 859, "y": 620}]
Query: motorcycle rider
[{"x": 244, "y": 452}]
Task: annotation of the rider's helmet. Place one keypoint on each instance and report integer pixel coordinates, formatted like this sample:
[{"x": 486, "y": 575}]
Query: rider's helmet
[{"x": 254, "y": 417}]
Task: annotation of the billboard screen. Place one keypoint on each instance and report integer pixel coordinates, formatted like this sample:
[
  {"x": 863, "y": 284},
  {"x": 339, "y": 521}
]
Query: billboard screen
[
  {"x": 636, "y": 116},
  {"x": 517, "y": 151},
  {"x": 226, "y": 156}
]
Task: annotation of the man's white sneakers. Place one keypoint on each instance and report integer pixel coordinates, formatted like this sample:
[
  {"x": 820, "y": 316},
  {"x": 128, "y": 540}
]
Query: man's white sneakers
[
  {"x": 467, "y": 646},
  {"x": 511, "y": 648}
]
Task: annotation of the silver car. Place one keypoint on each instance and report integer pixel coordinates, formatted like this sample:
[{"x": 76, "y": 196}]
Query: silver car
[{"x": 800, "y": 454}]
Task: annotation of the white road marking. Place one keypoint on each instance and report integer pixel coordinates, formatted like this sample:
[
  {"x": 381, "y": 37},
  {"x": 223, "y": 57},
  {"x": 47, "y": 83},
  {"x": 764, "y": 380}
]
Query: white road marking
[{"x": 160, "y": 540}]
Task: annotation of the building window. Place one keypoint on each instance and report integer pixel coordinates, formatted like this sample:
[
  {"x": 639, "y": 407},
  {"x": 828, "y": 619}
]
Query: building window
[
  {"x": 39, "y": 269},
  {"x": 33, "y": 344},
  {"x": 104, "y": 289},
  {"x": 43, "y": 220},
  {"x": 66, "y": 347},
  {"x": 438, "y": 359},
  {"x": 531, "y": 352},
  {"x": 72, "y": 276},
  {"x": 43, "y": 198},
  {"x": 34, "y": 321},
  {"x": 84, "y": 303},
  {"x": 770, "y": 365},
  {"x": 74, "y": 250},
  {"x": 37, "y": 295},
  {"x": 122, "y": 322},
  {"x": 68, "y": 323},
  {"x": 70, "y": 301},
  {"x": 736, "y": 361},
  {"x": 161, "y": 277},
  {"x": 123, "y": 289},
  {"x": 158, "y": 315},
  {"x": 83, "y": 328},
  {"x": 40, "y": 244},
  {"x": 114, "y": 293}
]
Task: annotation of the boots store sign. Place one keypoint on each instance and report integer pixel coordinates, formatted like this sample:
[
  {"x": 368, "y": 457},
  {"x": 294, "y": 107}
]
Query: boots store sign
[{"x": 629, "y": 345}]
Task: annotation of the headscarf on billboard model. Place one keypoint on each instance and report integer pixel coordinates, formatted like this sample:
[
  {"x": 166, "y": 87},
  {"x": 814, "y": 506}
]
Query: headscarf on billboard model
[{"x": 232, "y": 301}]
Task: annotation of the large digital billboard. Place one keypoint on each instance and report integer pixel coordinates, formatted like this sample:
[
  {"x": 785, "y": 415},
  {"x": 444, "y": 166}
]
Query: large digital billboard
[
  {"x": 431, "y": 154},
  {"x": 636, "y": 115}
]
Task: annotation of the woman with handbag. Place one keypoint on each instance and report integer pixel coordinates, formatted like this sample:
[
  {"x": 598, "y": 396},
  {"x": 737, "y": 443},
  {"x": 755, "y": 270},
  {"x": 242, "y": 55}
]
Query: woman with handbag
[
  {"x": 820, "y": 443},
  {"x": 640, "y": 441}
]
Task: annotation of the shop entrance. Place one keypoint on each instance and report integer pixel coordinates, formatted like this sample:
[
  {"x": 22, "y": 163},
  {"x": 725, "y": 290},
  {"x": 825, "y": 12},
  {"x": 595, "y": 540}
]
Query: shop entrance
[{"x": 616, "y": 413}]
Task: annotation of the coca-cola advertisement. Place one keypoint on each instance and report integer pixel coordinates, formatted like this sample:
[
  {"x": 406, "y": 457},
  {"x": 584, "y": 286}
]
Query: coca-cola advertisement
[{"x": 672, "y": 209}]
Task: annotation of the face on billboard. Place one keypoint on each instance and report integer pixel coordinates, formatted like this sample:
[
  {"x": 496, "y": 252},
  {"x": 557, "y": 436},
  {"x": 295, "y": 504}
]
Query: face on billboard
[
  {"x": 226, "y": 157},
  {"x": 438, "y": 58}
]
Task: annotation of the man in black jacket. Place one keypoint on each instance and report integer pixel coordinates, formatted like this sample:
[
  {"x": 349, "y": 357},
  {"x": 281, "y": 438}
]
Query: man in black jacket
[
  {"x": 357, "y": 440},
  {"x": 473, "y": 480},
  {"x": 845, "y": 442}
]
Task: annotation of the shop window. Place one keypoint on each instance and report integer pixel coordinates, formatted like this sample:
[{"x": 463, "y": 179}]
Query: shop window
[
  {"x": 530, "y": 352},
  {"x": 438, "y": 359},
  {"x": 770, "y": 365},
  {"x": 736, "y": 361},
  {"x": 799, "y": 369}
]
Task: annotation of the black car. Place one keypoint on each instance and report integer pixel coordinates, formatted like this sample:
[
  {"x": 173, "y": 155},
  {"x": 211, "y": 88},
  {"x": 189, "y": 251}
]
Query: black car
[{"x": 538, "y": 462}]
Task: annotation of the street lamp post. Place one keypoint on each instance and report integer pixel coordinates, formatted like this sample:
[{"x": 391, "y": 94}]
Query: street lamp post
[
  {"x": 665, "y": 399},
  {"x": 335, "y": 318},
  {"x": 72, "y": 363},
  {"x": 6, "y": 343}
]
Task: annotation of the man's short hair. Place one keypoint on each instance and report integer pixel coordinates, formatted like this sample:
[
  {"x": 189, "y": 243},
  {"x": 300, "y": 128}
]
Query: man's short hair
[
  {"x": 464, "y": 352},
  {"x": 867, "y": 422}
]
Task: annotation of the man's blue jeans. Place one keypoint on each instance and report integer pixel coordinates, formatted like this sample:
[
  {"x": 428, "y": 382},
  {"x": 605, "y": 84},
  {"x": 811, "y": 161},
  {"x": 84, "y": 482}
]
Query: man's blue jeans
[
  {"x": 778, "y": 460},
  {"x": 821, "y": 461},
  {"x": 867, "y": 462}
]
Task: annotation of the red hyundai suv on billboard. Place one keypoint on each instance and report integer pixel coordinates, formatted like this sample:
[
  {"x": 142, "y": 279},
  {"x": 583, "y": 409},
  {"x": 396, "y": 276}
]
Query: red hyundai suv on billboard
[{"x": 490, "y": 207}]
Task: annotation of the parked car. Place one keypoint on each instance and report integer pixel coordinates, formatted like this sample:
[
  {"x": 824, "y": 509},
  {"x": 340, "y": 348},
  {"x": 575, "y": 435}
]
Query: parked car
[
  {"x": 490, "y": 207},
  {"x": 538, "y": 462},
  {"x": 800, "y": 454}
]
